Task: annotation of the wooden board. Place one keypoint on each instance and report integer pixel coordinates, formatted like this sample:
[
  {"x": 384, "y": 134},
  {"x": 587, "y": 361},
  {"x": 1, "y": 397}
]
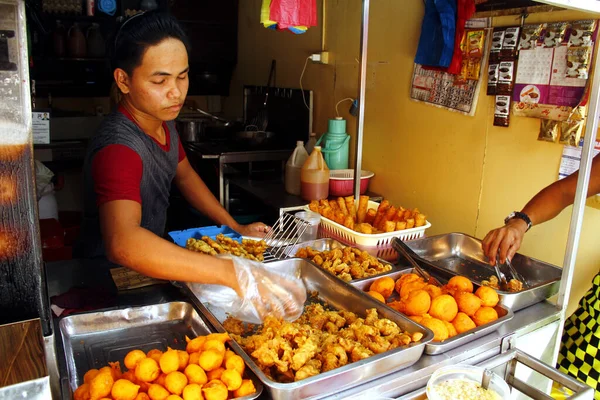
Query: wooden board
[{"x": 22, "y": 355}]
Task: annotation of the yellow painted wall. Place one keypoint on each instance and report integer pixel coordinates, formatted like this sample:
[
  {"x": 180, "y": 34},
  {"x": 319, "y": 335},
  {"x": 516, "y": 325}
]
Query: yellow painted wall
[{"x": 466, "y": 174}]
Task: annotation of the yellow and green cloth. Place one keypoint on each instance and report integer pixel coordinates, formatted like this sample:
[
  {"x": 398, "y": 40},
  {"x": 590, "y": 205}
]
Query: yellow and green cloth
[
  {"x": 580, "y": 350},
  {"x": 293, "y": 15}
]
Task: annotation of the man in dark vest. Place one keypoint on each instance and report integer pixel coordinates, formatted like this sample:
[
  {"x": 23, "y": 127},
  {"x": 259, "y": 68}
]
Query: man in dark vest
[{"x": 135, "y": 156}]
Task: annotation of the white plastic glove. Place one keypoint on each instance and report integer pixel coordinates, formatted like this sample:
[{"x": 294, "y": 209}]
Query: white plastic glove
[{"x": 265, "y": 291}]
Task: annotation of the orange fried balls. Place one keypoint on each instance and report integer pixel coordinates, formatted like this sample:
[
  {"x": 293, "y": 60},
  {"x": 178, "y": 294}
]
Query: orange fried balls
[
  {"x": 463, "y": 323},
  {"x": 384, "y": 286},
  {"x": 489, "y": 297},
  {"x": 468, "y": 303},
  {"x": 444, "y": 307},
  {"x": 485, "y": 315},
  {"x": 461, "y": 284}
]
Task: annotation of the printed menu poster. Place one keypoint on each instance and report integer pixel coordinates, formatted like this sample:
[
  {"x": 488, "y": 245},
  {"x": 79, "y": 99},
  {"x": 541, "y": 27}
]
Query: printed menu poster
[{"x": 542, "y": 78}]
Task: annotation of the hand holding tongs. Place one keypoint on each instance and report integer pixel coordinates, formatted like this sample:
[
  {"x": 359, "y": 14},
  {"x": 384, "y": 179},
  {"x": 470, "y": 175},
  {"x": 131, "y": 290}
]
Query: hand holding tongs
[{"x": 410, "y": 255}]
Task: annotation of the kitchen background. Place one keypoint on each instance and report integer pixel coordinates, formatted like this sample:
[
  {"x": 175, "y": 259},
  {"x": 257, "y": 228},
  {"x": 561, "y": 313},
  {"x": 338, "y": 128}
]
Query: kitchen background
[{"x": 464, "y": 172}]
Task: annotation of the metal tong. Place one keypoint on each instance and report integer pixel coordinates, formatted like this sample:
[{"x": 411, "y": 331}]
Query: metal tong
[
  {"x": 502, "y": 281},
  {"x": 411, "y": 256}
]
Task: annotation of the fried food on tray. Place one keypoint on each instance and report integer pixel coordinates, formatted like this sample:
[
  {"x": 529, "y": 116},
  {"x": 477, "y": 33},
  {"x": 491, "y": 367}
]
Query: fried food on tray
[
  {"x": 386, "y": 218},
  {"x": 251, "y": 249},
  {"x": 144, "y": 381},
  {"x": 461, "y": 284},
  {"x": 347, "y": 263},
  {"x": 376, "y": 295},
  {"x": 489, "y": 297},
  {"x": 468, "y": 303},
  {"x": 462, "y": 323},
  {"x": 453, "y": 304},
  {"x": 485, "y": 315},
  {"x": 383, "y": 286},
  {"x": 417, "y": 302},
  {"x": 440, "y": 332},
  {"x": 319, "y": 341},
  {"x": 444, "y": 307},
  {"x": 514, "y": 285}
]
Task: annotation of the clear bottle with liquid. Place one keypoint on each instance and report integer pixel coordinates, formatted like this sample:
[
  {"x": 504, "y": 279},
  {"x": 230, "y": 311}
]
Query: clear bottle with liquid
[
  {"x": 293, "y": 168},
  {"x": 314, "y": 178}
]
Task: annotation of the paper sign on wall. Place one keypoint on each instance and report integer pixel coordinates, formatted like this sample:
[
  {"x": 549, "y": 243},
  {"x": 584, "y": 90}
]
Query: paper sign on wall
[{"x": 40, "y": 125}]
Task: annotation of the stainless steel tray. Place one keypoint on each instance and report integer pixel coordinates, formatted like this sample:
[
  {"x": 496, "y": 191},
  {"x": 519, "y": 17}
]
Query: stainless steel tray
[
  {"x": 433, "y": 348},
  {"x": 328, "y": 244},
  {"x": 93, "y": 339},
  {"x": 339, "y": 296},
  {"x": 460, "y": 254}
]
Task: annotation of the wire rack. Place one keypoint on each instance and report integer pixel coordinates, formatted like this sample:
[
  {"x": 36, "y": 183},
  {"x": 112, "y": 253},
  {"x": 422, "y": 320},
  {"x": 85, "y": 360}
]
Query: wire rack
[{"x": 285, "y": 233}]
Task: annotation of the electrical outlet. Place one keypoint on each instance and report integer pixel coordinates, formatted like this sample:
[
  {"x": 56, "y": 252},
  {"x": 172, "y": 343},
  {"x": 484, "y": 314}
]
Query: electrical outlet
[{"x": 320, "y": 58}]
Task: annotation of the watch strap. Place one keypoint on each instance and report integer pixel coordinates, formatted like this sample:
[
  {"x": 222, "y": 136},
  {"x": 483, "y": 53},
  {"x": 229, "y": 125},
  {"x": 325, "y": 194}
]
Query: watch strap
[{"x": 520, "y": 215}]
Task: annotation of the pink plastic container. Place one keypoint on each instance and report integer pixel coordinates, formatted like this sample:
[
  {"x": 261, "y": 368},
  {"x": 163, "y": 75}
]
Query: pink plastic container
[{"x": 341, "y": 182}]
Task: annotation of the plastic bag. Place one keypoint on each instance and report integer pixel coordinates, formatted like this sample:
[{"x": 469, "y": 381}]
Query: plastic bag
[
  {"x": 275, "y": 291},
  {"x": 290, "y": 13},
  {"x": 43, "y": 180},
  {"x": 436, "y": 44}
]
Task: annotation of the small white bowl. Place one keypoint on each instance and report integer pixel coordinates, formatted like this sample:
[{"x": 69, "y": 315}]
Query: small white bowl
[{"x": 466, "y": 372}]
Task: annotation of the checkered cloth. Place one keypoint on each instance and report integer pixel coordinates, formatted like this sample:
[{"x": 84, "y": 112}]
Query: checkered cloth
[{"x": 580, "y": 351}]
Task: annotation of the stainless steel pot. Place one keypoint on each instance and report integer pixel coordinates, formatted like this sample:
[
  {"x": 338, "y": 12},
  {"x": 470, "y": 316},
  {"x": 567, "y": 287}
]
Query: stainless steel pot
[
  {"x": 190, "y": 129},
  {"x": 254, "y": 137}
]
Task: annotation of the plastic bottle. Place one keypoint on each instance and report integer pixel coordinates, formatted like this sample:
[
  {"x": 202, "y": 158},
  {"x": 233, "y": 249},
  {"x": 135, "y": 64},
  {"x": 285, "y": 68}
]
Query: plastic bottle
[
  {"x": 293, "y": 167},
  {"x": 314, "y": 177},
  {"x": 312, "y": 142}
]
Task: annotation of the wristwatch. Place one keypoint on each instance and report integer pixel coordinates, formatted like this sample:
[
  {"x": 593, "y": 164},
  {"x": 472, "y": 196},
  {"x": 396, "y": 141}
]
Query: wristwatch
[{"x": 519, "y": 215}]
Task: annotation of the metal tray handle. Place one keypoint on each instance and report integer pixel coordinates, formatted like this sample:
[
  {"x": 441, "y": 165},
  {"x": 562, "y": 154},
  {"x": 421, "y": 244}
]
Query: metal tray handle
[{"x": 581, "y": 390}]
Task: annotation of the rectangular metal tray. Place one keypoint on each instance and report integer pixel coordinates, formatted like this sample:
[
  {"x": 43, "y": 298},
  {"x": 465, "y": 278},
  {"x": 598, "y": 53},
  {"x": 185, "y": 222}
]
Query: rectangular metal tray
[
  {"x": 328, "y": 244},
  {"x": 460, "y": 254},
  {"x": 433, "y": 348},
  {"x": 91, "y": 340},
  {"x": 341, "y": 297}
]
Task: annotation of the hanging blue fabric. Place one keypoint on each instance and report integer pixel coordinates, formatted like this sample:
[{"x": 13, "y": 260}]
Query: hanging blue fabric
[
  {"x": 436, "y": 44},
  {"x": 107, "y": 6}
]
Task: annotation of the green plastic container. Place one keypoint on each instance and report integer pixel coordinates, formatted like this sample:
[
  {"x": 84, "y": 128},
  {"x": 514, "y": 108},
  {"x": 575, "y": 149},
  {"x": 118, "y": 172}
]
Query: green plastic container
[{"x": 336, "y": 144}]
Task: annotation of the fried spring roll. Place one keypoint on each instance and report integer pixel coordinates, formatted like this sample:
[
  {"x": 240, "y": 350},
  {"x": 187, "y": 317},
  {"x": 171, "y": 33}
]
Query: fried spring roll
[
  {"x": 388, "y": 216},
  {"x": 324, "y": 203},
  {"x": 420, "y": 219},
  {"x": 349, "y": 222},
  {"x": 340, "y": 217},
  {"x": 342, "y": 205},
  {"x": 370, "y": 217},
  {"x": 350, "y": 206},
  {"x": 400, "y": 214},
  {"x": 390, "y": 226},
  {"x": 334, "y": 205},
  {"x": 364, "y": 228},
  {"x": 381, "y": 210},
  {"x": 363, "y": 204},
  {"x": 400, "y": 225},
  {"x": 410, "y": 223},
  {"x": 314, "y": 206}
]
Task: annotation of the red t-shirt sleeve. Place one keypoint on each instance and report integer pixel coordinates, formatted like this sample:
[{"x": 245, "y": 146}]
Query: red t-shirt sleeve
[
  {"x": 181, "y": 156},
  {"x": 117, "y": 173}
]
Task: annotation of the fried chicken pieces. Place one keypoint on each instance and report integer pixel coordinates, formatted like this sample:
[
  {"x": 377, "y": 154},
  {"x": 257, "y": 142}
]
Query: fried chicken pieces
[
  {"x": 447, "y": 311},
  {"x": 319, "y": 341},
  {"x": 347, "y": 264},
  {"x": 514, "y": 285},
  {"x": 250, "y": 249}
]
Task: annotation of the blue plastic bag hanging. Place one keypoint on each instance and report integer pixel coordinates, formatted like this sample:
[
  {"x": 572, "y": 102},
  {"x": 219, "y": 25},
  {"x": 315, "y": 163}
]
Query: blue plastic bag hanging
[{"x": 436, "y": 44}]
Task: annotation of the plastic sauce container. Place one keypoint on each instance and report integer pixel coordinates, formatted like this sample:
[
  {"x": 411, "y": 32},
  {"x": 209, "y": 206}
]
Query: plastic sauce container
[
  {"x": 311, "y": 231},
  {"x": 314, "y": 178},
  {"x": 293, "y": 168}
]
